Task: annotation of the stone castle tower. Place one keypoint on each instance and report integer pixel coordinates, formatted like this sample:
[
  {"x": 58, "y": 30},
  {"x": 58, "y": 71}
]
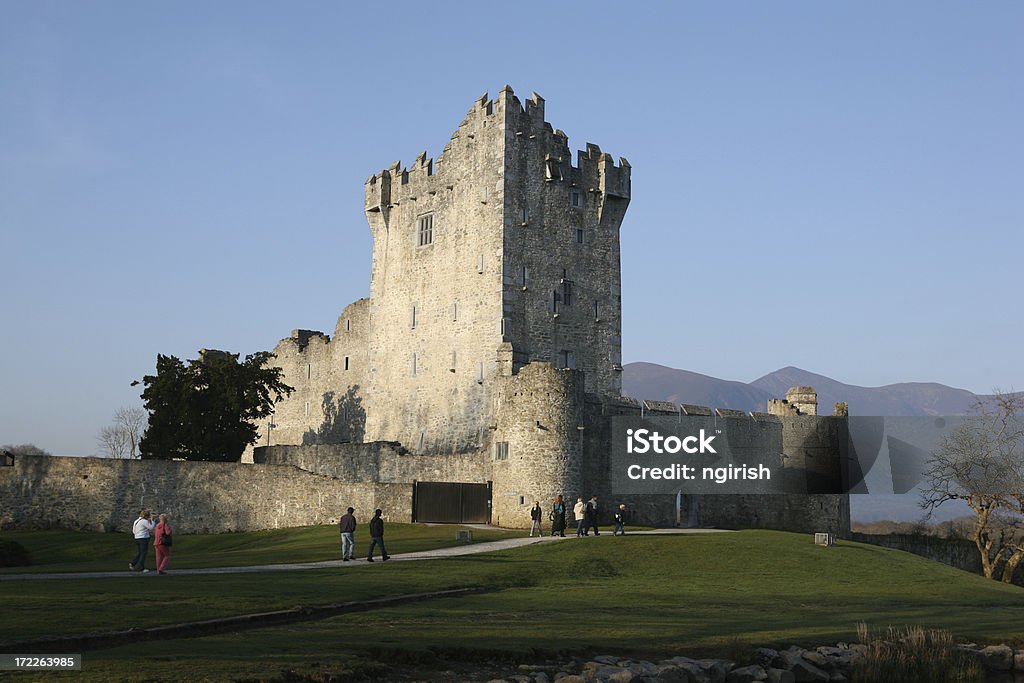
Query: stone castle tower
[
  {"x": 501, "y": 252},
  {"x": 488, "y": 353}
]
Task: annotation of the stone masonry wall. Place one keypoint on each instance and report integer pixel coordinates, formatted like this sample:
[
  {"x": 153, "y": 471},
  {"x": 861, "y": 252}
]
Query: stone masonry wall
[
  {"x": 329, "y": 378},
  {"x": 436, "y": 299},
  {"x": 381, "y": 461},
  {"x": 103, "y": 494},
  {"x": 539, "y": 410},
  {"x": 562, "y": 283}
]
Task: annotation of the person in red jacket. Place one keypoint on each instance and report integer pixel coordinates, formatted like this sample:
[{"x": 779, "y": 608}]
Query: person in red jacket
[{"x": 163, "y": 536}]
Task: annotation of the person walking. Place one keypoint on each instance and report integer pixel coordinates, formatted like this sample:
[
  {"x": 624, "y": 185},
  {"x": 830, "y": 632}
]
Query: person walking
[
  {"x": 377, "y": 537},
  {"x": 620, "y": 521},
  {"x": 536, "y": 516},
  {"x": 558, "y": 517},
  {"x": 589, "y": 519},
  {"x": 593, "y": 504},
  {"x": 163, "y": 537},
  {"x": 347, "y": 525},
  {"x": 579, "y": 511},
  {"x": 141, "y": 531}
]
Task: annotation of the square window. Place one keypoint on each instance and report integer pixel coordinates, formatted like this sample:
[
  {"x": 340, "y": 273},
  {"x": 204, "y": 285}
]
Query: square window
[{"x": 501, "y": 450}]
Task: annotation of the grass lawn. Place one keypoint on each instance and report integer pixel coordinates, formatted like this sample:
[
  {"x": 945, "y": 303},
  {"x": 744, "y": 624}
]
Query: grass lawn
[
  {"x": 654, "y": 596},
  {"x": 84, "y": 551}
]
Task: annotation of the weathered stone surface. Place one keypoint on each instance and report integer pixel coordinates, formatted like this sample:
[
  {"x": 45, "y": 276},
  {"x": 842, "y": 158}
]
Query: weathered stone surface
[
  {"x": 716, "y": 669},
  {"x": 746, "y": 674},
  {"x": 817, "y": 659},
  {"x": 1018, "y": 660},
  {"x": 765, "y": 656},
  {"x": 679, "y": 673},
  {"x": 997, "y": 657},
  {"x": 780, "y": 676},
  {"x": 804, "y": 671}
]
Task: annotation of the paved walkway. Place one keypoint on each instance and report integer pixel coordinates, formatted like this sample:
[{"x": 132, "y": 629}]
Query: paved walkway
[{"x": 437, "y": 553}]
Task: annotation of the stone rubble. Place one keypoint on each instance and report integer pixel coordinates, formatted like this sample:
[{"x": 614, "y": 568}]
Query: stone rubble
[{"x": 792, "y": 665}]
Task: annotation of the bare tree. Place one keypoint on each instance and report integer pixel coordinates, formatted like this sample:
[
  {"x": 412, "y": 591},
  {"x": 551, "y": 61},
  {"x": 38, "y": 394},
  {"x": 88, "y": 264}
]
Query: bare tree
[
  {"x": 114, "y": 442},
  {"x": 121, "y": 439},
  {"x": 982, "y": 463},
  {"x": 132, "y": 420}
]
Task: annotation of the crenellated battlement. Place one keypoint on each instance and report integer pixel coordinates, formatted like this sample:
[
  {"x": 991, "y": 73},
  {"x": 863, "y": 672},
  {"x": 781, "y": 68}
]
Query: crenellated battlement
[{"x": 495, "y": 123}]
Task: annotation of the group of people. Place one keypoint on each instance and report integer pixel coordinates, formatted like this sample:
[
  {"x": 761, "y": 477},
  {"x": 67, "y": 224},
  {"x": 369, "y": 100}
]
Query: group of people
[
  {"x": 162, "y": 534},
  {"x": 347, "y": 525},
  {"x": 163, "y": 537},
  {"x": 585, "y": 514}
]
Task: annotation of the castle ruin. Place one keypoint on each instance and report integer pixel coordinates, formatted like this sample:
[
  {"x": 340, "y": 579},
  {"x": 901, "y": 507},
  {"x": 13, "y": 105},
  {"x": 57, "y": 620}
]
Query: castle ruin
[
  {"x": 488, "y": 353},
  {"x": 482, "y": 373}
]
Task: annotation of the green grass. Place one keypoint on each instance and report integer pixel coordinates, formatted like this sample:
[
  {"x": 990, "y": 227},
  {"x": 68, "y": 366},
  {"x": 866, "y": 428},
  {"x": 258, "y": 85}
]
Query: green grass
[
  {"x": 81, "y": 551},
  {"x": 653, "y": 596}
]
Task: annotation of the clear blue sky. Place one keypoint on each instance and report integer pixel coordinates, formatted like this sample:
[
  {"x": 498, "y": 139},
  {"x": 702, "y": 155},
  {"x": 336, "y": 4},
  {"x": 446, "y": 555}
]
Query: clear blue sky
[{"x": 837, "y": 186}]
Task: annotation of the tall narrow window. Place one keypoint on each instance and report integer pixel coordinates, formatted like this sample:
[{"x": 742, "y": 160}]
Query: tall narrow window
[
  {"x": 451, "y": 364},
  {"x": 566, "y": 292},
  {"x": 412, "y": 317},
  {"x": 575, "y": 198},
  {"x": 565, "y": 360},
  {"x": 412, "y": 366},
  {"x": 454, "y": 311},
  {"x": 346, "y": 362},
  {"x": 579, "y": 235},
  {"x": 524, "y": 277},
  {"x": 501, "y": 450},
  {"x": 426, "y": 231},
  {"x": 597, "y": 311}
]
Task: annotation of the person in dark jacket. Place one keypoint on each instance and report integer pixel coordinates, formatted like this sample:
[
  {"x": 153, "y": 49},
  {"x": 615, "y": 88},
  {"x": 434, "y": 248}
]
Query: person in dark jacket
[
  {"x": 347, "y": 525},
  {"x": 589, "y": 518},
  {"x": 558, "y": 517},
  {"x": 620, "y": 521},
  {"x": 377, "y": 537},
  {"x": 536, "y": 516}
]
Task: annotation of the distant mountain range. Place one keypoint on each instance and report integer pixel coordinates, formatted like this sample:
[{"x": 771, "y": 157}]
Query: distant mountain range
[{"x": 660, "y": 383}]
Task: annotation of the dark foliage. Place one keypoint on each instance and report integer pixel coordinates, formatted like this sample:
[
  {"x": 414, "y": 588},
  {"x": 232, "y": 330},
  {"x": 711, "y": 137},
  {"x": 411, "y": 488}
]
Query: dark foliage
[{"x": 207, "y": 409}]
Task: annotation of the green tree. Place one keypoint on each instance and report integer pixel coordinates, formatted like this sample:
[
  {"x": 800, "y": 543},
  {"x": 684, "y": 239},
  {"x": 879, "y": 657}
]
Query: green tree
[{"x": 207, "y": 409}]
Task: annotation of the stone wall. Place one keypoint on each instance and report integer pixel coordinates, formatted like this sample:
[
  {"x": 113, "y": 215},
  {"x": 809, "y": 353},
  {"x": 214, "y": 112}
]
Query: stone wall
[
  {"x": 956, "y": 552},
  {"x": 329, "y": 378},
  {"x": 380, "y": 461},
  {"x": 103, "y": 494}
]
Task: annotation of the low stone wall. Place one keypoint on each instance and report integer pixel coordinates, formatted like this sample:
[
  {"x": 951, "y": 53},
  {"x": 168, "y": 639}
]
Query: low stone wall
[
  {"x": 103, "y": 494},
  {"x": 956, "y": 552}
]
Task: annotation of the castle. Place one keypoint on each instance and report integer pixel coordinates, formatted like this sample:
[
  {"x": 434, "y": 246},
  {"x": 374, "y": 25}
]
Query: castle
[
  {"x": 486, "y": 362},
  {"x": 482, "y": 373}
]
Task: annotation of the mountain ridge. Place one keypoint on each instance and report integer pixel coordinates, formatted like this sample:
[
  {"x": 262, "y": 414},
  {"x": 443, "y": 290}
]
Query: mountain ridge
[{"x": 643, "y": 380}]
